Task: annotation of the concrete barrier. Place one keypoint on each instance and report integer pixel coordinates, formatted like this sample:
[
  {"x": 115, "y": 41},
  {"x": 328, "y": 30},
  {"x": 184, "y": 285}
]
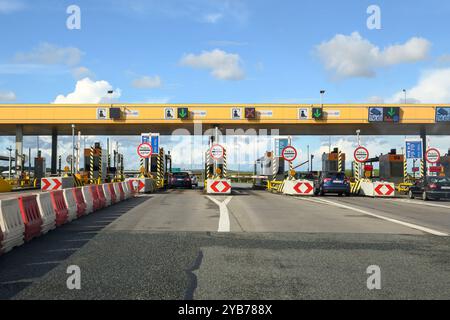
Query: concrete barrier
[
  {"x": 12, "y": 226},
  {"x": 298, "y": 187},
  {"x": 47, "y": 212},
  {"x": 378, "y": 189},
  {"x": 88, "y": 199},
  {"x": 71, "y": 204},
  {"x": 143, "y": 185}
]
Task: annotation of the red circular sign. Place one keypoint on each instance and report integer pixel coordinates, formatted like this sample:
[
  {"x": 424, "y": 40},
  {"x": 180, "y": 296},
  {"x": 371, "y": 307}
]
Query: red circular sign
[
  {"x": 289, "y": 153},
  {"x": 217, "y": 151},
  {"x": 433, "y": 155},
  {"x": 361, "y": 155},
  {"x": 145, "y": 150}
]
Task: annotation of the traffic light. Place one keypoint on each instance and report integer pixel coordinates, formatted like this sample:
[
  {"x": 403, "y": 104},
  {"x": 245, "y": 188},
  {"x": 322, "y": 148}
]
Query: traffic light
[
  {"x": 250, "y": 113},
  {"x": 317, "y": 113},
  {"x": 391, "y": 114},
  {"x": 183, "y": 113}
]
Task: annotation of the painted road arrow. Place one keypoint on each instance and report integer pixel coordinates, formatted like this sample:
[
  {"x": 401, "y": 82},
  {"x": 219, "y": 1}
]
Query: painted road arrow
[{"x": 226, "y": 186}]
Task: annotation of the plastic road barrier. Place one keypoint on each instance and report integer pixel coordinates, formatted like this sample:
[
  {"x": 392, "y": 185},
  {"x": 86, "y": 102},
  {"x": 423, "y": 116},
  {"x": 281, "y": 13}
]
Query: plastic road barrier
[
  {"x": 59, "y": 206},
  {"x": 47, "y": 212},
  {"x": 126, "y": 190},
  {"x": 222, "y": 186},
  {"x": 31, "y": 216},
  {"x": 132, "y": 187},
  {"x": 71, "y": 204},
  {"x": 112, "y": 192},
  {"x": 298, "y": 188},
  {"x": 88, "y": 199},
  {"x": 107, "y": 194},
  {"x": 378, "y": 189},
  {"x": 143, "y": 185},
  {"x": 79, "y": 199},
  {"x": 58, "y": 183},
  {"x": 101, "y": 195},
  {"x": 12, "y": 228},
  {"x": 97, "y": 204},
  {"x": 119, "y": 191}
]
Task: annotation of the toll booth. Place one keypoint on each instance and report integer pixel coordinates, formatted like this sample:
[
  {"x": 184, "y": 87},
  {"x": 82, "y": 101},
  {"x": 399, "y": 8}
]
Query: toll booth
[
  {"x": 161, "y": 167},
  {"x": 264, "y": 168},
  {"x": 333, "y": 160},
  {"x": 39, "y": 168},
  {"x": 391, "y": 167},
  {"x": 96, "y": 163},
  {"x": 445, "y": 163}
]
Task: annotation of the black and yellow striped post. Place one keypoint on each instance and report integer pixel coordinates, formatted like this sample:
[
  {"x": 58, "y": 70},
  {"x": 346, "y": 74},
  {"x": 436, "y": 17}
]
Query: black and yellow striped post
[
  {"x": 224, "y": 172},
  {"x": 141, "y": 167},
  {"x": 422, "y": 169},
  {"x": 405, "y": 169},
  {"x": 91, "y": 165},
  {"x": 122, "y": 167},
  {"x": 356, "y": 170},
  {"x": 100, "y": 167},
  {"x": 339, "y": 161},
  {"x": 159, "y": 168},
  {"x": 274, "y": 167}
]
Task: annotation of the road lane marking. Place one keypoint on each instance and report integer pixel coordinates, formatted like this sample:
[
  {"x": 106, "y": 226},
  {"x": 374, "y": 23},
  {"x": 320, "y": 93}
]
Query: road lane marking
[
  {"x": 406, "y": 224},
  {"x": 224, "y": 220},
  {"x": 423, "y": 203}
]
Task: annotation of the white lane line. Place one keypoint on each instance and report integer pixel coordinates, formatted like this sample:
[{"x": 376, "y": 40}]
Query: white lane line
[
  {"x": 224, "y": 220},
  {"x": 406, "y": 224},
  {"x": 423, "y": 203}
]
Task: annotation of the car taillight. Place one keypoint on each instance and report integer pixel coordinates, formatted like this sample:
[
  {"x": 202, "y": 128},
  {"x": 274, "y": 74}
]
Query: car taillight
[
  {"x": 327, "y": 180},
  {"x": 187, "y": 179},
  {"x": 346, "y": 180},
  {"x": 433, "y": 186}
]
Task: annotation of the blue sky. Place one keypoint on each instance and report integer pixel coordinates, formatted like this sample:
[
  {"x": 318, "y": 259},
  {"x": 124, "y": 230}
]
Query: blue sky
[{"x": 224, "y": 51}]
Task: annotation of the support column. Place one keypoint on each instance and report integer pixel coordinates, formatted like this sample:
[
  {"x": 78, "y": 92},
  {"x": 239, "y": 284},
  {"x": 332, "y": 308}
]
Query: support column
[
  {"x": 54, "y": 155},
  {"x": 19, "y": 149},
  {"x": 423, "y": 136}
]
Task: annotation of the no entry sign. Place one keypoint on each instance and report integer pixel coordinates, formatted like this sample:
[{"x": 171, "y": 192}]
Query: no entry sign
[
  {"x": 289, "y": 153},
  {"x": 433, "y": 155},
  {"x": 217, "y": 152},
  {"x": 145, "y": 150},
  {"x": 361, "y": 155}
]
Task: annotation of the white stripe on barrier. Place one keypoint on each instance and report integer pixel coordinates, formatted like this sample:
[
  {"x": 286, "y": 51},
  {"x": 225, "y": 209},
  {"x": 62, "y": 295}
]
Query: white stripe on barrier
[
  {"x": 71, "y": 204},
  {"x": 107, "y": 194},
  {"x": 11, "y": 224},
  {"x": 117, "y": 190},
  {"x": 47, "y": 212},
  {"x": 126, "y": 190},
  {"x": 88, "y": 199}
]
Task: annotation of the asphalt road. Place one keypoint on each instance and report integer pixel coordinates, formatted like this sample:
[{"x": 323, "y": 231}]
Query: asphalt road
[{"x": 167, "y": 246}]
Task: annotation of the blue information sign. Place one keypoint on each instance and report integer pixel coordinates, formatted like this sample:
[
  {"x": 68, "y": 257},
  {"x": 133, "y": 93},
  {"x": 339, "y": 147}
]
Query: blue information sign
[
  {"x": 414, "y": 149},
  {"x": 155, "y": 143},
  {"x": 280, "y": 144},
  {"x": 443, "y": 114}
]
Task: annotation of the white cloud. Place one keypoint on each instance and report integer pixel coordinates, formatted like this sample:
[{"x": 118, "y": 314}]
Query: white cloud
[
  {"x": 353, "y": 56},
  {"x": 7, "y": 96},
  {"x": 10, "y": 6},
  {"x": 82, "y": 72},
  {"x": 433, "y": 87},
  {"x": 147, "y": 82},
  {"x": 223, "y": 65},
  {"x": 375, "y": 100},
  {"x": 49, "y": 54},
  {"x": 213, "y": 17},
  {"x": 88, "y": 91}
]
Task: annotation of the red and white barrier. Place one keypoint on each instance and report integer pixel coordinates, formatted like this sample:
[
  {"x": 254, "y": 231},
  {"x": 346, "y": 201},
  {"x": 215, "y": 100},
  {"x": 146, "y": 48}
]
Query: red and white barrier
[
  {"x": 119, "y": 191},
  {"x": 222, "y": 186},
  {"x": 113, "y": 194},
  {"x": 57, "y": 183},
  {"x": 59, "y": 207},
  {"x": 12, "y": 227},
  {"x": 143, "y": 185},
  {"x": 107, "y": 194},
  {"x": 378, "y": 189},
  {"x": 298, "y": 188},
  {"x": 31, "y": 216},
  {"x": 71, "y": 205},
  {"x": 47, "y": 212},
  {"x": 101, "y": 195},
  {"x": 88, "y": 199},
  {"x": 79, "y": 199},
  {"x": 97, "y": 204},
  {"x": 126, "y": 190}
]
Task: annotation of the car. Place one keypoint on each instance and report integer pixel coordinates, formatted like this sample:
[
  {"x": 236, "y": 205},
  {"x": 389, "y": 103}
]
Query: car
[
  {"x": 180, "y": 180},
  {"x": 432, "y": 188},
  {"x": 194, "y": 180},
  {"x": 332, "y": 182}
]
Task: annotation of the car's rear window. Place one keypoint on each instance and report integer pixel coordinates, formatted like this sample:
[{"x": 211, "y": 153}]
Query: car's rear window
[
  {"x": 181, "y": 175},
  {"x": 336, "y": 176}
]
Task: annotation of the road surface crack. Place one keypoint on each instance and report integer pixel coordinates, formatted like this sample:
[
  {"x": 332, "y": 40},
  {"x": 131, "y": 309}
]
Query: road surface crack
[{"x": 192, "y": 277}]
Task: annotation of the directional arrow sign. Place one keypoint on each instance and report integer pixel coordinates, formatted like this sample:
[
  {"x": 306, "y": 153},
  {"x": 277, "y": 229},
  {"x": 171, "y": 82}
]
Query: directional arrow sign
[
  {"x": 51, "y": 184},
  {"x": 317, "y": 113},
  {"x": 183, "y": 113},
  {"x": 384, "y": 190},
  {"x": 391, "y": 114},
  {"x": 303, "y": 188},
  {"x": 223, "y": 185}
]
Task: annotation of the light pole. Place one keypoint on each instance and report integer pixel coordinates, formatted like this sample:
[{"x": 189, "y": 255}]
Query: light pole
[
  {"x": 72, "y": 167},
  {"x": 322, "y": 93},
  {"x": 9, "y": 172},
  {"x": 404, "y": 92},
  {"x": 358, "y": 132}
]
